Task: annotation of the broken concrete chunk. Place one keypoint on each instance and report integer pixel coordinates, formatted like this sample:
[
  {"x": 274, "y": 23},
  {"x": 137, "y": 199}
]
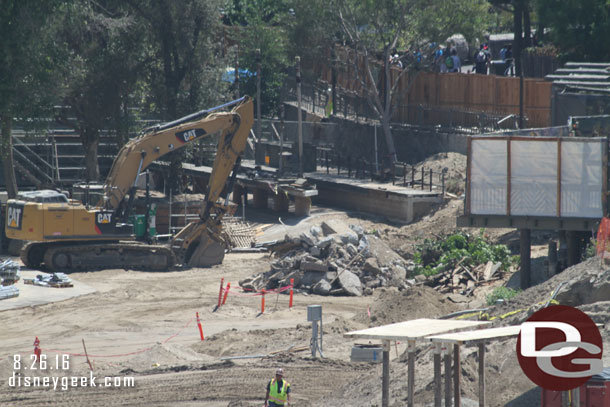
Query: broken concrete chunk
[
  {"x": 324, "y": 242},
  {"x": 322, "y": 287},
  {"x": 351, "y": 249},
  {"x": 371, "y": 267},
  {"x": 315, "y": 251},
  {"x": 349, "y": 237},
  {"x": 350, "y": 283},
  {"x": 316, "y": 231},
  {"x": 332, "y": 226},
  {"x": 358, "y": 229},
  {"x": 307, "y": 239},
  {"x": 310, "y": 266},
  {"x": 312, "y": 277}
]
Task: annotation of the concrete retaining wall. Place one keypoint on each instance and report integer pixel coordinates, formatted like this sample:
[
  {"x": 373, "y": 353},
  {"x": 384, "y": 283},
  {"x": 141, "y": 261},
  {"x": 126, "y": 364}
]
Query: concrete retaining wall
[{"x": 413, "y": 144}]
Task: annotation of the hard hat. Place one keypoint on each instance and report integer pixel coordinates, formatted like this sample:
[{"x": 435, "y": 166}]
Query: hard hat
[{"x": 279, "y": 371}]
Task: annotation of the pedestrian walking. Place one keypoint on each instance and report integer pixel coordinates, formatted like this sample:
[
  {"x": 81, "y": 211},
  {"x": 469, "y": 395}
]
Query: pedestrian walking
[{"x": 278, "y": 390}]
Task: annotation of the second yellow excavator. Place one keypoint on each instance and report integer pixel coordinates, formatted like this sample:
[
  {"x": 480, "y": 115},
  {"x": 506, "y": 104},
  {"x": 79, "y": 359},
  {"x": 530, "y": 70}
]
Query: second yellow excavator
[{"x": 65, "y": 235}]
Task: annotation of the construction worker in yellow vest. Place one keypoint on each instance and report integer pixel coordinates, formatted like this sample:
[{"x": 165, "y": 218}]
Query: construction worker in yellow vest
[{"x": 278, "y": 391}]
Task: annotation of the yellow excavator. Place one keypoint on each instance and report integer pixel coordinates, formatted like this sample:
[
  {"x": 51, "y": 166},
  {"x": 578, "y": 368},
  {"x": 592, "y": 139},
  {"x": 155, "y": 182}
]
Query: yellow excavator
[{"x": 66, "y": 235}]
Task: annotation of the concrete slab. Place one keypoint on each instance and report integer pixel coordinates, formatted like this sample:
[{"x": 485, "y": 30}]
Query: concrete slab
[{"x": 30, "y": 295}]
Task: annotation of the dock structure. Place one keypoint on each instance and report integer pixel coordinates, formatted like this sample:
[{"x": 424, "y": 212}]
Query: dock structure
[{"x": 411, "y": 332}]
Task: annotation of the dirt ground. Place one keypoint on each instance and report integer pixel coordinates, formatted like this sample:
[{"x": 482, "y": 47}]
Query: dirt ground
[{"x": 143, "y": 325}]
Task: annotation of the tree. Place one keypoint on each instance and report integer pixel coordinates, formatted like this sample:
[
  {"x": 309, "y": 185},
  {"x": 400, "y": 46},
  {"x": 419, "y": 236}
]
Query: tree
[
  {"x": 27, "y": 68},
  {"x": 442, "y": 19},
  {"x": 369, "y": 26},
  {"x": 520, "y": 10},
  {"x": 262, "y": 25},
  {"x": 186, "y": 65},
  {"x": 578, "y": 28},
  {"x": 106, "y": 55}
]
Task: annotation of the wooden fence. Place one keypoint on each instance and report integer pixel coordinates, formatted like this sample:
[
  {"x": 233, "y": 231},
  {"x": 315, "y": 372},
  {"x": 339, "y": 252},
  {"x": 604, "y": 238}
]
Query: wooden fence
[{"x": 451, "y": 91}]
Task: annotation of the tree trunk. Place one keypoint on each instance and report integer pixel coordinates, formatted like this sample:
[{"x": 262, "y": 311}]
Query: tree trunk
[
  {"x": 518, "y": 40},
  {"x": 387, "y": 131},
  {"x": 6, "y": 152},
  {"x": 90, "y": 144},
  {"x": 527, "y": 27}
]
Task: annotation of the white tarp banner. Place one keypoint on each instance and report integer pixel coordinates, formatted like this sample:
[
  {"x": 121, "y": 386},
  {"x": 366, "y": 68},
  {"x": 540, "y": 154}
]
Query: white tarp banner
[
  {"x": 533, "y": 189},
  {"x": 534, "y": 177},
  {"x": 581, "y": 179},
  {"x": 488, "y": 183}
]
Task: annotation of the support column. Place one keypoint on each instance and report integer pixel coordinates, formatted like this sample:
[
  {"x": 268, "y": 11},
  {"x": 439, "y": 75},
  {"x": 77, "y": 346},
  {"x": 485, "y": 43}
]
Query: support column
[
  {"x": 573, "y": 248},
  {"x": 238, "y": 191},
  {"x": 385, "y": 384},
  {"x": 437, "y": 375},
  {"x": 260, "y": 198},
  {"x": 553, "y": 259},
  {"x": 302, "y": 205},
  {"x": 481, "y": 374},
  {"x": 525, "y": 251},
  {"x": 280, "y": 202},
  {"x": 411, "y": 379},
  {"x": 447, "y": 376},
  {"x": 456, "y": 376}
]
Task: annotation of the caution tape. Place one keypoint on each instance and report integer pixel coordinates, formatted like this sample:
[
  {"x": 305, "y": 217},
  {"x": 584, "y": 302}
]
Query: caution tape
[{"x": 486, "y": 317}]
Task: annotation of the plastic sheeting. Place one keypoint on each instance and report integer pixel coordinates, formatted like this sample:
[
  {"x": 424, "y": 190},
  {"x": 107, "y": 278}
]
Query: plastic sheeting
[
  {"x": 581, "y": 179},
  {"x": 533, "y": 188},
  {"x": 534, "y": 178},
  {"x": 488, "y": 172}
]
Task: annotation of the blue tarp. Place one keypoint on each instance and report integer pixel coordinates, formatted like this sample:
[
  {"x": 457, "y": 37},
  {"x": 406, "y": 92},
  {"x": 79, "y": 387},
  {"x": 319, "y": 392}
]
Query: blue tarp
[{"x": 229, "y": 74}]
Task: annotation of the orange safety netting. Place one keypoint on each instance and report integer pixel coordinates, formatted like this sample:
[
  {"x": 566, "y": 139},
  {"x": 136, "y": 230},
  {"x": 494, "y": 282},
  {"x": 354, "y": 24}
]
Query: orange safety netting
[{"x": 603, "y": 235}]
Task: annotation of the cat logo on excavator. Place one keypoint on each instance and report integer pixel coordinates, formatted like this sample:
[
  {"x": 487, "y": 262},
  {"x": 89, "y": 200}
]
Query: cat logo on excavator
[
  {"x": 104, "y": 217},
  {"x": 14, "y": 216}
]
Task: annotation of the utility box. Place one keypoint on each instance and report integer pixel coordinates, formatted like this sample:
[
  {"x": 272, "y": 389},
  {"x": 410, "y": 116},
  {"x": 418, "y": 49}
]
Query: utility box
[
  {"x": 594, "y": 393},
  {"x": 367, "y": 353},
  {"x": 314, "y": 313}
]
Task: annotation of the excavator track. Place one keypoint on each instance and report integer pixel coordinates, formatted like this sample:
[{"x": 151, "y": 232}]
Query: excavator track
[{"x": 67, "y": 258}]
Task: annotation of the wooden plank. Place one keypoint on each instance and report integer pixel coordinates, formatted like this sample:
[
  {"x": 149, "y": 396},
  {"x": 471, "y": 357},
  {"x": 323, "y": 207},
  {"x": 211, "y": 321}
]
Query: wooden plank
[
  {"x": 414, "y": 329},
  {"x": 478, "y": 335},
  {"x": 411, "y": 372},
  {"x": 482, "y": 375}
]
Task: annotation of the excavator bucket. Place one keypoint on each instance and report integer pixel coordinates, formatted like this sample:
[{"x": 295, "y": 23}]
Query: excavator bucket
[{"x": 208, "y": 252}]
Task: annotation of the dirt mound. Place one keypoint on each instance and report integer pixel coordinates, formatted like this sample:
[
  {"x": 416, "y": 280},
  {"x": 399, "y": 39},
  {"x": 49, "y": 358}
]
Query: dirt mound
[
  {"x": 455, "y": 163},
  {"x": 391, "y": 305},
  {"x": 583, "y": 283}
]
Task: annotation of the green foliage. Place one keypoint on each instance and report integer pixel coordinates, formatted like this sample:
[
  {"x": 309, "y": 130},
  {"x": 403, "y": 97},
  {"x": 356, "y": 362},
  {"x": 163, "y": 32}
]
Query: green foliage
[
  {"x": 501, "y": 293},
  {"x": 262, "y": 25},
  {"x": 441, "y": 19},
  {"x": 577, "y": 27},
  {"x": 437, "y": 255}
]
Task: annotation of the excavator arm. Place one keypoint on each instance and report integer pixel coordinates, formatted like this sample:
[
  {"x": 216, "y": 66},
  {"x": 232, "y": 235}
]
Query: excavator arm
[
  {"x": 158, "y": 141},
  {"x": 200, "y": 243}
]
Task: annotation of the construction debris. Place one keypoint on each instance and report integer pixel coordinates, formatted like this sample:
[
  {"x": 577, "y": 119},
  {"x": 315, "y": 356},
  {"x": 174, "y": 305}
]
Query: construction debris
[
  {"x": 57, "y": 280},
  {"x": 332, "y": 259},
  {"x": 9, "y": 272},
  {"x": 239, "y": 233},
  {"x": 462, "y": 280}
]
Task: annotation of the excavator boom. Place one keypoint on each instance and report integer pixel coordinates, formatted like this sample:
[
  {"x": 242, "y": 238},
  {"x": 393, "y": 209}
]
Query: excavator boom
[{"x": 66, "y": 235}]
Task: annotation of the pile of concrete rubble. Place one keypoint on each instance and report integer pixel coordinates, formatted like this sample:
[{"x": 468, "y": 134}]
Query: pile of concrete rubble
[
  {"x": 333, "y": 259},
  {"x": 9, "y": 275}
]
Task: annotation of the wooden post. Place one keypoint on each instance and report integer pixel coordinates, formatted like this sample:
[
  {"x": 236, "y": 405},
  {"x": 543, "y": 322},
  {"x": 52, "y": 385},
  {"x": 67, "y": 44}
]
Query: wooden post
[
  {"x": 525, "y": 252},
  {"x": 385, "y": 385},
  {"x": 481, "y": 374},
  {"x": 447, "y": 376},
  {"x": 437, "y": 375},
  {"x": 299, "y": 115},
  {"x": 456, "y": 376},
  {"x": 411, "y": 379}
]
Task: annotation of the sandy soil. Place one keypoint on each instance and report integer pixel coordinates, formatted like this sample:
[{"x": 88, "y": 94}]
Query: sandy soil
[{"x": 142, "y": 325}]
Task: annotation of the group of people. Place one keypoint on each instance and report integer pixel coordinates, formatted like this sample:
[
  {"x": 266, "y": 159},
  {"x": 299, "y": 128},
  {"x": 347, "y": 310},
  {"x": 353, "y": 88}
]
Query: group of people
[{"x": 447, "y": 59}]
